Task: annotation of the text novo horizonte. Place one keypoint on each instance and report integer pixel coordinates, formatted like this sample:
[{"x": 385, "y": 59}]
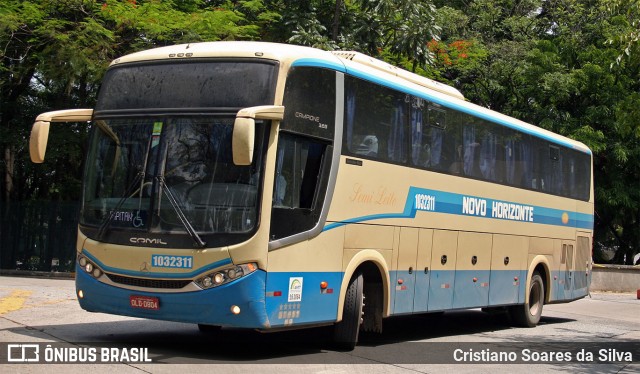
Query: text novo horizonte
[{"x": 474, "y": 206}]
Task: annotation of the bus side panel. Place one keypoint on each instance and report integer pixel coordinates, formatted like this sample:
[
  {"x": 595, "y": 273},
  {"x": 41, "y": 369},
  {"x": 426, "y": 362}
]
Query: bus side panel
[
  {"x": 293, "y": 292},
  {"x": 405, "y": 274},
  {"x": 551, "y": 249},
  {"x": 472, "y": 270},
  {"x": 569, "y": 251},
  {"x": 423, "y": 271},
  {"x": 508, "y": 269},
  {"x": 295, "y": 297},
  {"x": 443, "y": 262},
  {"x": 583, "y": 260}
]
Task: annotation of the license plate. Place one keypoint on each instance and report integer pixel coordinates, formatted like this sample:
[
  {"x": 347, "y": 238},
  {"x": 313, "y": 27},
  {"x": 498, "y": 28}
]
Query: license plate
[{"x": 144, "y": 302}]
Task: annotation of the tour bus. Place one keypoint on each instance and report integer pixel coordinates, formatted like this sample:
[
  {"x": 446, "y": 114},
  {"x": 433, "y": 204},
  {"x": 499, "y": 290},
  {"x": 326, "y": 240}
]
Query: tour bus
[{"x": 272, "y": 187}]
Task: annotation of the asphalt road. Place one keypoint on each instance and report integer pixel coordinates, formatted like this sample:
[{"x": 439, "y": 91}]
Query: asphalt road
[{"x": 45, "y": 312}]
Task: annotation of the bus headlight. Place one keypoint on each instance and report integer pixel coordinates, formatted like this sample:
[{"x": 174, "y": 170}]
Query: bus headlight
[
  {"x": 224, "y": 276},
  {"x": 89, "y": 267}
]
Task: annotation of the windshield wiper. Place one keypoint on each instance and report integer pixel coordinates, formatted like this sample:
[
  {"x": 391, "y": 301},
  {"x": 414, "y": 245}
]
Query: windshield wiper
[
  {"x": 106, "y": 221},
  {"x": 197, "y": 240}
]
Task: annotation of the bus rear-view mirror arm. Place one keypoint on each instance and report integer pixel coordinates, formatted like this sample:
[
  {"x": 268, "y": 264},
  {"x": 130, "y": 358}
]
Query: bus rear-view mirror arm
[
  {"x": 40, "y": 130},
  {"x": 244, "y": 130}
]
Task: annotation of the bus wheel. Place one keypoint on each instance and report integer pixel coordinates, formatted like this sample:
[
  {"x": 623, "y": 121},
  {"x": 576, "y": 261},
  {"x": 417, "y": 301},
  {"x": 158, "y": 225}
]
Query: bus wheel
[
  {"x": 528, "y": 315},
  {"x": 208, "y": 329},
  {"x": 345, "y": 334}
]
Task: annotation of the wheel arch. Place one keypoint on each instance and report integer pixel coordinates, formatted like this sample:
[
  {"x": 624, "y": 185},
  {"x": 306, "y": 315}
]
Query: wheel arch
[
  {"x": 541, "y": 265},
  {"x": 374, "y": 268}
]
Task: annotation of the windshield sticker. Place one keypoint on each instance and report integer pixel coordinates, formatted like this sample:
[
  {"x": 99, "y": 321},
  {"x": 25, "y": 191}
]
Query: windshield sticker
[
  {"x": 295, "y": 289},
  {"x": 157, "y": 130},
  {"x": 136, "y": 218}
]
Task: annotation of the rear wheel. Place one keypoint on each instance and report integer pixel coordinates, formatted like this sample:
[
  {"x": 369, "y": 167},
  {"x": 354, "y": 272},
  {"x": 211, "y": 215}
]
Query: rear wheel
[
  {"x": 528, "y": 315},
  {"x": 346, "y": 332}
]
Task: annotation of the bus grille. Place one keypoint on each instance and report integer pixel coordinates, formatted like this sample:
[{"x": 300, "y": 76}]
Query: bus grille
[{"x": 149, "y": 283}]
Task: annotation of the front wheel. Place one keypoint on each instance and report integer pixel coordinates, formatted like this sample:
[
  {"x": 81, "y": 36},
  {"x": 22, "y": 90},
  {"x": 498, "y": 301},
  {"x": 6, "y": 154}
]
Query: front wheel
[
  {"x": 528, "y": 315},
  {"x": 346, "y": 332}
]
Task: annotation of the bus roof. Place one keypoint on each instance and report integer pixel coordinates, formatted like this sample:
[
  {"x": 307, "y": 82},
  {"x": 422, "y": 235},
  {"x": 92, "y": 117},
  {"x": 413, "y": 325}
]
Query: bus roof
[{"x": 353, "y": 63}]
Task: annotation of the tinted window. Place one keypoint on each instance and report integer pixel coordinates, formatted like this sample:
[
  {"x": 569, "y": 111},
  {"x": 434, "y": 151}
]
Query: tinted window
[
  {"x": 391, "y": 126},
  {"x": 376, "y": 122},
  {"x": 188, "y": 84},
  {"x": 310, "y": 102}
]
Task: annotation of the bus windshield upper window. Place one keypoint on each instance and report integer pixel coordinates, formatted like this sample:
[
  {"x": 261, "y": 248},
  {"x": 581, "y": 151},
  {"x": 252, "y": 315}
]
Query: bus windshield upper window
[{"x": 188, "y": 84}]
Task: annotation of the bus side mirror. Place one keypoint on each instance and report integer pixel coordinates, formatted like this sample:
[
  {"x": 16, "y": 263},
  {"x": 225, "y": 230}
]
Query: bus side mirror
[
  {"x": 244, "y": 129},
  {"x": 40, "y": 130}
]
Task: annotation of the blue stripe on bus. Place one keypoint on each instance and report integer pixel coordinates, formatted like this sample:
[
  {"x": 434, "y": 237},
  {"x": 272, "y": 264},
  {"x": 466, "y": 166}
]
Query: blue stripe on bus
[
  {"x": 507, "y": 121},
  {"x": 261, "y": 308},
  {"x": 452, "y": 203},
  {"x": 146, "y": 274},
  {"x": 210, "y": 306},
  {"x": 319, "y": 64}
]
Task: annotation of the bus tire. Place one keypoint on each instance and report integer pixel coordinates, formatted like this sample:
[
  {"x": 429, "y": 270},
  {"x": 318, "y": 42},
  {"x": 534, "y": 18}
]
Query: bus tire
[
  {"x": 345, "y": 333},
  {"x": 528, "y": 315}
]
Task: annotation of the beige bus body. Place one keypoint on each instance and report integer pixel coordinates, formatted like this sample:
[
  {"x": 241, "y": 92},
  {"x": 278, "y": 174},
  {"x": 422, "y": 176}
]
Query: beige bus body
[{"x": 423, "y": 245}]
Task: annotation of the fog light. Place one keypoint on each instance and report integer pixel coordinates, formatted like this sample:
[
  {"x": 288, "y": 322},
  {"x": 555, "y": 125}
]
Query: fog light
[
  {"x": 88, "y": 268},
  {"x": 235, "y": 309},
  {"x": 80, "y": 294}
]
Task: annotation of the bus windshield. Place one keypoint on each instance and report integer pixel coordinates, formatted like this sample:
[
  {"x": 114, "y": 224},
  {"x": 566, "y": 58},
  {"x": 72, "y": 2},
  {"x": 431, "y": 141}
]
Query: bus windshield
[
  {"x": 160, "y": 157},
  {"x": 165, "y": 175}
]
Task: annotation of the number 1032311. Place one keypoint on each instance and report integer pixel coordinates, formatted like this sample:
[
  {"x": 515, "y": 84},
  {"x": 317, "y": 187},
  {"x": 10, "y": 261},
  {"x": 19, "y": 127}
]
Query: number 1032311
[{"x": 167, "y": 261}]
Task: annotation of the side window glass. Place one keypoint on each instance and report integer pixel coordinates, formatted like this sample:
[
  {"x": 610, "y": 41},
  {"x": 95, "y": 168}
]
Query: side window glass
[
  {"x": 376, "y": 122},
  {"x": 298, "y": 165},
  {"x": 310, "y": 102}
]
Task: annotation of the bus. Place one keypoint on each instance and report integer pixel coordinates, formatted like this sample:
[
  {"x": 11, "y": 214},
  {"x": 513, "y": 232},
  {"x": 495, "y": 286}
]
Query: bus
[{"x": 271, "y": 187}]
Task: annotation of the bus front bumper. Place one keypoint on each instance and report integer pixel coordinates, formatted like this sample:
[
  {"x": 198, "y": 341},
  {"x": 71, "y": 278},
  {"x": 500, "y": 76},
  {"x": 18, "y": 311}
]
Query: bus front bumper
[{"x": 213, "y": 306}]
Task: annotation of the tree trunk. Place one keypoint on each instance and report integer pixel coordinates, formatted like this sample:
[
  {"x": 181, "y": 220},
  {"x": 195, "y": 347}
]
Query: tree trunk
[
  {"x": 336, "y": 21},
  {"x": 9, "y": 161}
]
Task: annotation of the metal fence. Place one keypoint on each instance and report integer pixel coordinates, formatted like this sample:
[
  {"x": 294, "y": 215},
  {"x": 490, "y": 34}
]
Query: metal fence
[{"x": 38, "y": 235}]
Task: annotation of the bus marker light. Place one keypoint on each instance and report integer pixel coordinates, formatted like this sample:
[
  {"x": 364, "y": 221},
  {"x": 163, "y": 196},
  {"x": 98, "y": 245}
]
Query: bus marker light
[
  {"x": 475, "y": 280},
  {"x": 235, "y": 309},
  {"x": 277, "y": 293},
  {"x": 324, "y": 285},
  {"x": 400, "y": 281}
]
